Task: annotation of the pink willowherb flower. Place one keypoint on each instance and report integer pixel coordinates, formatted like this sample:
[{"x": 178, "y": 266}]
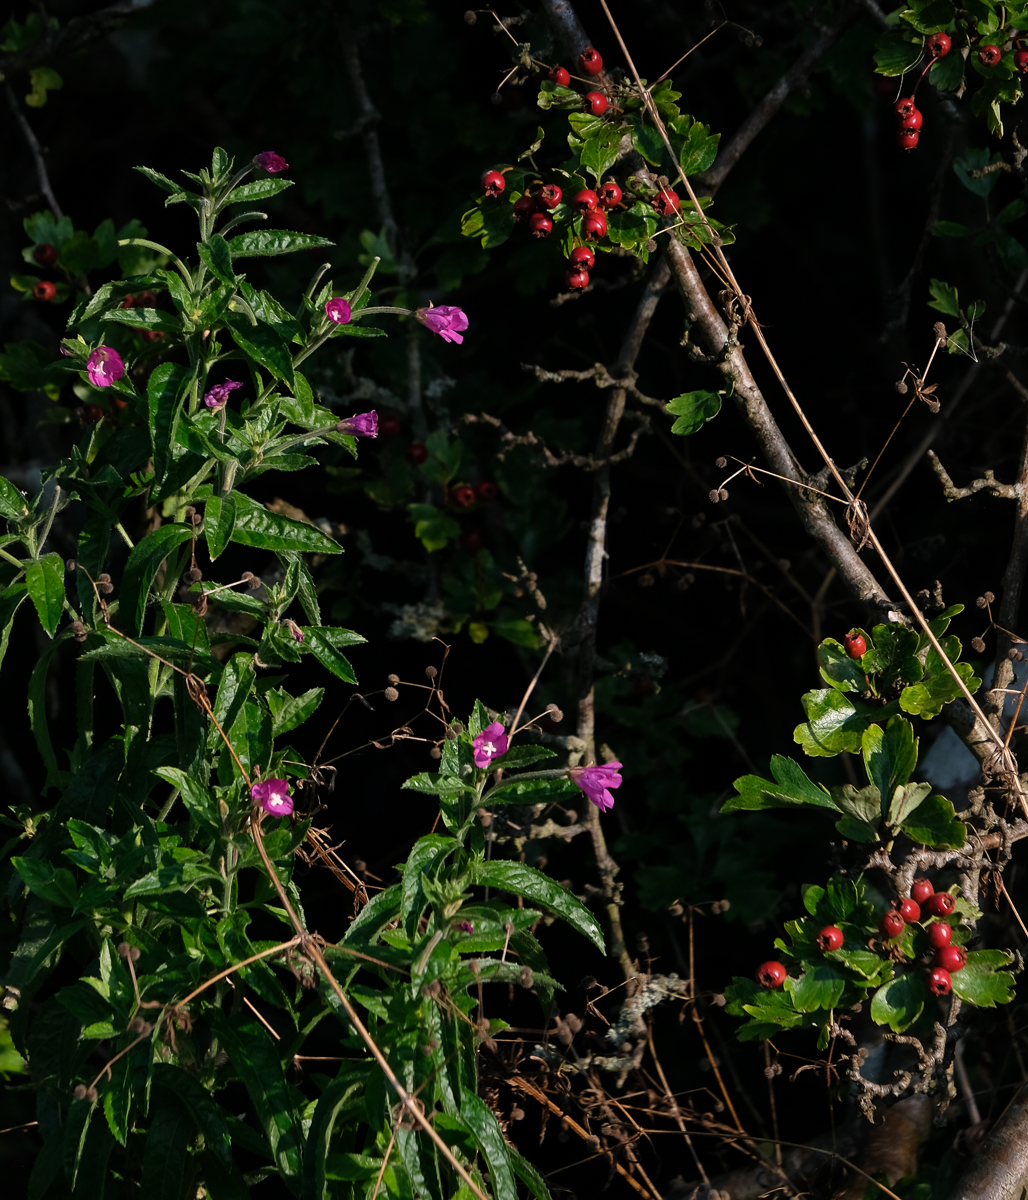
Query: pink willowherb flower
[
  {"x": 218, "y": 395},
  {"x": 465, "y": 926},
  {"x": 338, "y": 311},
  {"x": 361, "y": 425},
  {"x": 596, "y": 782},
  {"x": 271, "y": 162},
  {"x": 446, "y": 320},
  {"x": 294, "y": 629},
  {"x": 273, "y": 796},
  {"x": 104, "y": 367},
  {"x": 489, "y": 743}
]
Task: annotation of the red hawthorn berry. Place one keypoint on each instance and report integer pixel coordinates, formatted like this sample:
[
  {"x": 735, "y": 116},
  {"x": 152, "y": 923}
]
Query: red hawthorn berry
[
  {"x": 951, "y": 958},
  {"x": 91, "y": 413},
  {"x": 583, "y": 257},
  {"x": 550, "y": 195},
  {"x": 463, "y": 496},
  {"x": 585, "y": 201},
  {"x": 609, "y": 194},
  {"x": 922, "y": 889},
  {"x": 989, "y": 56},
  {"x": 830, "y": 938},
  {"x": 907, "y": 139},
  {"x": 938, "y": 45},
  {"x": 128, "y": 302},
  {"x": 854, "y": 644},
  {"x": 416, "y": 454},
  {"x": 665, "y": 203},
  {"x": 45, "y": 254},
  {"x": 913, "y": 120},
  {"x": 904, "y": 106},
  {"x": 891, "y": 925},
  {"x": 559, "y": 75},
  {"x": 523, "y": 208},
  {"x": 910, "y": 911},
  {"x": 771, "y": 974},
  {"x": 493, "y": 183},
  {"x": 940, "y": 905},
  {"x": 576, "y": 279},
  {"x": 486, "y": 491},
  {"x": 152, "y": 335},
  {"x": 146, "y": 300},
  {"x": 596, "y": 103},
  {"x": 540, "y": 225},
  {"x": 389, "y": 427},
  {"x": 594, "y": 227},
  {"x": 471, "y": 542},
  {"x": 1020, "y": 61},
  {"x": 939, "y": 982},
  {"x": 940, "y": 934},
  {"x": 590, "y": 61},
  {"x": 44, "y": 290}
]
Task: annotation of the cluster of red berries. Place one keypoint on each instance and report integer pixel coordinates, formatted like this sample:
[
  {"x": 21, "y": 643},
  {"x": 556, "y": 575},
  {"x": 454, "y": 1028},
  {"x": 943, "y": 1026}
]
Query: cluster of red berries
[
  {"x": 46, "y": 256},
  {"x": 910, "y": 120},
  {"x": 464, "y": 495},
  {"x": 947, "y": 959},
  {"x": 591, "y": 63}
]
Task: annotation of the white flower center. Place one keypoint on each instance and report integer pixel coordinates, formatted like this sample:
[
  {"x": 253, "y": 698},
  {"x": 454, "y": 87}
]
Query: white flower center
[{"x": 488, "y": 748}]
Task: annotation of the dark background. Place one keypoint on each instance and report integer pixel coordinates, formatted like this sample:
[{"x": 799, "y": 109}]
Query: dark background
[{"x": 828, "y": 215}]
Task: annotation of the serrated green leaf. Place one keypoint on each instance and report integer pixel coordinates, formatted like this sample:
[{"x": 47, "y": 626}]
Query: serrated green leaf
[
  {"x": 648, "y": 142},
  {"x": 144, "y": 318},
  {"x": 333, "y": 1101},
  {"x": 791, "y": 789},
  {"x": 44, "y": 579},
  {"x": 599, "y": 153},
  {"x": 274, "y": 241},
  {"x": 144, "y": 562},
  {"x": 258, "y": 189},
  {"x": 166, "y": 394},
  {"x": 219, "y": 522},
  {"x": 981, "y": 983},
  {"x": 217, "y": 257},
  {"x": 890, "y": 754},
  {"x": 522, "y": 880},
  {"x": 165, "y": 1150},
  {"x": 263, "y": 345},
  {"x": 838, "y": 669},
  {"x": 819, "y": 987},
  {"x": 694, "y": 410},
  {"x": 900, "y": 1002},
  {"x": 258, "y": 526},
  {"x": 935, "y": 823},
  {"x": 324, "y": 643},
  {"x": 834, "y": 723},
  {"x": 943, "y": 298},
  {"x": 904, "y": 800},
  {"x": 485, "y": 1129}
]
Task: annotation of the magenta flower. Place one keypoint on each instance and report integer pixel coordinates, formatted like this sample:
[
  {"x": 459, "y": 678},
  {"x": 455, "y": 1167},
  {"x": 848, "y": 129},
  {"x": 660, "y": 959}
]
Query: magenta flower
[
  {"x": 339, "y": 312},
  {"x": 361, "y": 425},
  {"x": 104, "y": 367},
  {"x": 596, "y": 782},
  {"x": 271, "y": 162},
  {"x": 273, "y": 796},
  {"x": 294, "y": 629},
  {"x": 446, "y": 320},
  {"x": 466, "y": 926},
  {"x": 489, "y": 743},
  {"x": 218, "y": 395}
]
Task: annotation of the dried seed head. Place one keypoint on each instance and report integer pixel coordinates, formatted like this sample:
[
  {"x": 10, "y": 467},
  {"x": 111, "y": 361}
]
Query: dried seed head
[
  {"x": 393, "y": 679},
  {"x": 646, "y": 580},
  {"x": 901, "y": 387},
  {"x": 190, "y": 511},
  {"x": 80, "y": 631},
  {"x": 70, "y": 565},
  {"x": 141, "y": 1026},
  {"x": 391, "y": 694},
  {"x": 718, "y": 1000},
  {"x": 713, "y": 495},
  {"x": 555, "y": 714},
  {"x": 193, "y": 575},
  {"x": 80, "y": 1091},
  {"x": 457, "y": 727},
  {"x": 593, "y": 1142},
  {"x": 723, "y": 493},
  {"x": 104, "y": 585},
  {"x": 977, "y": 644},
  {"x": 940, "y": 331},
  {"x": 676, "y": 910},
  {"x": 431, "y": 672},
  {"x": 124, "y": 949},
  {"x": 526, "y": 978},
  {"x": 450, "y": 735},
  {"x": 990, "y": 597},
  {"x": 517, "y": 1114},
  {"x": 435, "y": 752},
  {"x": 721, "y": 462},
  {"x": 251, "y": 580},
  {"x": 981, "y": 602},
  {"x": 196, "y": 518},
  {"x": 134, "y": 953},
  {"x": 470, "y": 17}
]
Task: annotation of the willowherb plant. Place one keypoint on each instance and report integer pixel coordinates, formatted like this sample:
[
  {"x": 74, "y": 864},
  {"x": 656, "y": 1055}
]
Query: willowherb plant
[{"x": 164, "y": 989}]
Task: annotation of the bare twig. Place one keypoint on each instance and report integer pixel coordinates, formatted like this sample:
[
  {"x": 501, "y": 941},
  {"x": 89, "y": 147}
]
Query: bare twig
[{"x": 37, "y": 153}]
